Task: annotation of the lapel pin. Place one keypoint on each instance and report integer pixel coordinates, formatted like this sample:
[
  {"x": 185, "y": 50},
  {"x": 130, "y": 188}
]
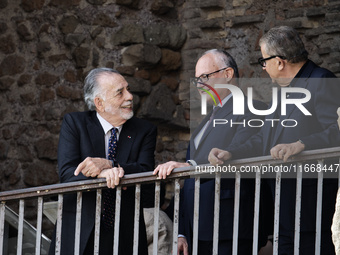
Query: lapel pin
[{"x": 129, "y": 136}]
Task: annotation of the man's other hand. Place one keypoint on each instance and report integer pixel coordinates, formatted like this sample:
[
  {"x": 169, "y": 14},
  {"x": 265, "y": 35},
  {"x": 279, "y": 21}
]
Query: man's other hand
[
  {"x": 284, "y": 151},
  {"x": 112, "y": 176},
  {"x": 92, "y": 167},
  {"x": 182, "y": 246},
  {"x": 165, "y": 169},
  {"x": 218, "y": 156}
]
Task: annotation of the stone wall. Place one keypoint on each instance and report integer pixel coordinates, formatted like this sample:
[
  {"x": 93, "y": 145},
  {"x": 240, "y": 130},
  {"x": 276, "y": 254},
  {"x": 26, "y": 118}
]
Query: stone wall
[{"x": 48, "y": 46}]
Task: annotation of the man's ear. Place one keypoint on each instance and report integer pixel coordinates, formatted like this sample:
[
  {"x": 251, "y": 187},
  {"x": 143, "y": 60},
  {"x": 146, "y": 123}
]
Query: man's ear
[
  {"x": 280, "y": 63},
  {"x": 98, "y": 102},
  {"x": 229, "y": 73}
]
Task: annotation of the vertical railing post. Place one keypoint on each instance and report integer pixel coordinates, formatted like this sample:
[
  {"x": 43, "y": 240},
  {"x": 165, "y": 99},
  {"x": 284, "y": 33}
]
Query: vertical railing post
[
  {"x": 216, "y": 212},
  {"x": 2, "y": 226},
  {"x": 176, "y": 218},
  {"x": 196, "y": 215},
  {"x": 39, "y": 225},
  {"x": 136, "y": 224},
  {"x": 256, "y": 212},
  {"x": 277, "y": 213},
  {"x": 20, "y": 226},
  {"x": 319, "y": 210},
  {"x": 97, "y": 221},
  {"x": 298, "y": 209},
  {"x": 156, "y": 217},
  {"x": 236, "y": 211},
  {"x": 78, "y": 223},
  {"x": 59, "y": 225},
  {"x": 117, "y": 220}
]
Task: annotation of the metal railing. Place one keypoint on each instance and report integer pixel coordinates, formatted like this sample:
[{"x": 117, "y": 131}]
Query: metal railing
[{"x": 40, "y": 193}]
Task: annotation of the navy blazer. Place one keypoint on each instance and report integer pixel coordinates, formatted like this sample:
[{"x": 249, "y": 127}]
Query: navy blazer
[
  {"x": 82, "y": 136},
  {"x": 220, "y": 136}
]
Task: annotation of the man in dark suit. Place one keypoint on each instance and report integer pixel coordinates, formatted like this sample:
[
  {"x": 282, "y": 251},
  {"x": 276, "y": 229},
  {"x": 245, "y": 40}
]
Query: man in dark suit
[
  {"x": 215, "y": 67},
  {"x": 83, "y": 154},
  {"x": 285, "y": 58}
]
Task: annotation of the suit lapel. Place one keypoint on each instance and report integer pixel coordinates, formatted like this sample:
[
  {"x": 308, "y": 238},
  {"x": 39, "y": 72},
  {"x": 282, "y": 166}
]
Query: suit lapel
[
  {"x": 126, "y": 139},
  {"x": 96, "y": 134}
]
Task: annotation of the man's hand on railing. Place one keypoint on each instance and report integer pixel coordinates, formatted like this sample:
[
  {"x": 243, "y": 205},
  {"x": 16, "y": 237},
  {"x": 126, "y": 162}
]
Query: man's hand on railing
[
  {"x": 165, "y": 169},
  {"x": 112, "y": 176},
  {"x": 284, "y": 151},
  {"x": 92, "y": 167},
  {"x": 218, "y": 156},
  {"x": 182, "y": 246}
]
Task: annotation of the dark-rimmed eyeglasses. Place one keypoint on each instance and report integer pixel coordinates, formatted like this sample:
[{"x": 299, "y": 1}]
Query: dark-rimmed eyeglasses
[
  {"x": 262, "y": 61},
  {"x": 205, "y": 77}
]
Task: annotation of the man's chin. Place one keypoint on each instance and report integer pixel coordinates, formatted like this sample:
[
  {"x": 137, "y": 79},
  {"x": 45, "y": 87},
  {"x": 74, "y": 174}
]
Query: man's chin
[{"x": 127, "y": 115}]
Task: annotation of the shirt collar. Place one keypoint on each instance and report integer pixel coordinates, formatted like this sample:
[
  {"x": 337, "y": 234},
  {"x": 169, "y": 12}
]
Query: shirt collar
[{"x": 106, "y": 125}]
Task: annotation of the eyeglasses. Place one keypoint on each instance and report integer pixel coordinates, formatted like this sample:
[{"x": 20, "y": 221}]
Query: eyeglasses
[
  {"x": 205, "y": 77},
  {"x": 262, "y": 61}
]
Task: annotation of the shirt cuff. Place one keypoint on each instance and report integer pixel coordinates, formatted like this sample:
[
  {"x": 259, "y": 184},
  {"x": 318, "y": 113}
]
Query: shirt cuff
[{"x": 191, "y": 162}]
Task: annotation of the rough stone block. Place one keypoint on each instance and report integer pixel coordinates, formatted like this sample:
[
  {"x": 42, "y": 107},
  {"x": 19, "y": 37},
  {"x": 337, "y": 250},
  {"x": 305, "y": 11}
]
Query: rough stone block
[
  {"x": 139, "y": 86},
  {"x": 211, "y": 24},
  {"x": 46, "y": 79},
  {"x": 24, "y": 32},
  {"x": 24, "y": 79},
  {"x": 141, "y": 55},
  {"x": 191, "y": 13},
  {"x": 247, "y": 19},
  {"x": 64, "y": 4},
  {"x": 159, "y": 105},
  {"x": 177, "y": 36},
  {"x": 3, "y": 4},
  {"x": 314, "y": 12},
  {"x": 157, "y": 35},
  {"x": 294, "y": 13},
  {"x": 32, "y": 5},
  {"x": 129, "y": 3},
  {"x": 219, "y": 4},
  {"x": 104, "y": 20},
  {"x": 96, "y": 2},
  {"x": 81, "y": 56},
  {"x": 74, "y": 39},
  {"x": 128, "y": 34},
  {"x": 6, "y": 83},
  {"x": 3, "y": 27},
  {"x": 170, "y": 60},
  {"x": 46, "y": 95},
  {"x": 68, "y": 24},
  {"x": 160, "y": 7},
  {"x": 11, "y": 65},
  {"x": 7, "y": 44}
]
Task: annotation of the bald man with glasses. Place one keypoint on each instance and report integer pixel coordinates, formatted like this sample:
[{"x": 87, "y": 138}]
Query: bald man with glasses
[{"x": 215, "y": 67}]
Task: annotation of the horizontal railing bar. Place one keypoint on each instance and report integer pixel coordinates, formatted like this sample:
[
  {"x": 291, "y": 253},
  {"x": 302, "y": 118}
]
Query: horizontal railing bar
[{"x": 184, "y": 172}]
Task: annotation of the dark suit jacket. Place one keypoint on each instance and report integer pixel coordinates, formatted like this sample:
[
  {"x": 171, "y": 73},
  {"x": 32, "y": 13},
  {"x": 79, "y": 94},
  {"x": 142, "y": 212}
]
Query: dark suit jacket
[
  {"x": 82, "y": 136},
  {"x": 220, "y": 136},
  {"x": 317, "y": 131}
]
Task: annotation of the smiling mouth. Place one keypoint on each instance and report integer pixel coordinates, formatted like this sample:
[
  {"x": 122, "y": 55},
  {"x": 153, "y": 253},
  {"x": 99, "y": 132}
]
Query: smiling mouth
[{"x": 129, "y": 107}]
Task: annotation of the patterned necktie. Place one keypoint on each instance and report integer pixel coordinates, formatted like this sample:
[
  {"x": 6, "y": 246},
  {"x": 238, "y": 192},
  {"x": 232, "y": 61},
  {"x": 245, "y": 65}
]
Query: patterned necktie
[{"x": 108, "y": 194}]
